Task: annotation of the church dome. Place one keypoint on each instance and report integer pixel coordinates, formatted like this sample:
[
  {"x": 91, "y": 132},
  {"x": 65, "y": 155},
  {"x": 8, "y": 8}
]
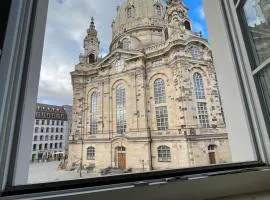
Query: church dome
[{"x": 137, "y": 14}]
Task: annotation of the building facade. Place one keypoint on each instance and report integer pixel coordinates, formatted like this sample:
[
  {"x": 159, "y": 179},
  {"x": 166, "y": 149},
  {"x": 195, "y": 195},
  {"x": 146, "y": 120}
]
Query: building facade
[
  {"x": 153, "y": 102},
  {"x": 68, "y": 110},
  {"x": 50, "y": 132}
]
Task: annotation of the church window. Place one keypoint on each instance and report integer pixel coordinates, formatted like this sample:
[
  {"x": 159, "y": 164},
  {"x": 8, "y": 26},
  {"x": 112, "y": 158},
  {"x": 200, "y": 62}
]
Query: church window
[
  {"x": 119, "y": 65},
  {"x": 162, "y": 118},
  {"x": 120, "y": 109},
  {"x": 159, "y": 90},
  {"x": 187, "y": 25},
  {"x": 91, "y": 153},
  {"x": 93, "y": 125},
  {"x": 203, "y": 115},
  {"x": 158, "y": 10},
  {"x": 94, "y": 110},
  {"x": 129, "y": 12},
  {"x": 94, "y": 106},
  {"x": 199, "y": 87},
  {"x": 164, "y": 154},
  {"x": 126, "y": 43},
  {"x": 196, "y": 53},
  {"x": 156, "y": 63}
]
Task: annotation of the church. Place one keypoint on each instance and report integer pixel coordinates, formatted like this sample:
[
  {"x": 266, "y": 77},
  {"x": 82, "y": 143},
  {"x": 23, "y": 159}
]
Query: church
[{"x": 153, "y": 102}]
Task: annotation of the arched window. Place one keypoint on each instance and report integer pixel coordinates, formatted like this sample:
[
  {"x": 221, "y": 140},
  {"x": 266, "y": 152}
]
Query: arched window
[
  {"x": 130, "y": 11},
  {"x": 94, "y": 110},
  {"x": 164, "y": 154},
  {"x": 91, "y": 153},
  {"x": 94, "y": 105},
  {"x": 158, "y": 10},
  {"x": 120, "y": 109},
  {"x": 187, "y": 25},
  {"x": 199, "y": 87},
  {"x": 195, "y": 52},
  {"x": 159, "y": 90},
  {"x": 126, "y": 43}
]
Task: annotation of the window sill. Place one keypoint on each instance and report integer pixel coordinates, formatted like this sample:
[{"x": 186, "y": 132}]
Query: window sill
[{"x": 204, "y": 178}]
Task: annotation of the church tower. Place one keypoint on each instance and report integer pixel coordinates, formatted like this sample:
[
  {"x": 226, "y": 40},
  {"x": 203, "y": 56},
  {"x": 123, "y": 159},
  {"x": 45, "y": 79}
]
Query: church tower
[
  {"x": 91, "y": 45},
  {"x": 177, "y": 17}
]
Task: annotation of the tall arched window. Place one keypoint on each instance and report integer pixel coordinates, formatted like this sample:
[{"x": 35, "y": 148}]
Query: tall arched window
[
  {"x": 195, "y": 52},
  {"x": 199, "y": 87},
  {"x": 161, "y": 111},
  {"x": 126, "y": 43},
  {"x": 159, "y": 89},
  {"x": 120, "y": 109},
  {"x": 94, "y": 105},
  {"x": 187, "y": 25},
  {"x": 91, "y": 153},
  {"x": 164, "y": 154},
  {"x": 130, "y": 11},
  {"x": 93, "y": 114},
  {"x": 158, "y": 10}
]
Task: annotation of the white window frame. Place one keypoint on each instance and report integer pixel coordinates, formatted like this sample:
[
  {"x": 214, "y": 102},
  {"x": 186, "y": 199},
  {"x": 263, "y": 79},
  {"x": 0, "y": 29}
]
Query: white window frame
[{"x": 19, "y": 115}]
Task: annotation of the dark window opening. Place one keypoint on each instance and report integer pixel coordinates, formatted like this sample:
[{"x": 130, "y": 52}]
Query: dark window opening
[
  {"x": 187, "y": 25},
  {"x": 92, "y": 58}
]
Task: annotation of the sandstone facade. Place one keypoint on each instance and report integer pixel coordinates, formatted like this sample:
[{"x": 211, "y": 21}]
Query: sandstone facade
[{"x": 153, "y": 102}]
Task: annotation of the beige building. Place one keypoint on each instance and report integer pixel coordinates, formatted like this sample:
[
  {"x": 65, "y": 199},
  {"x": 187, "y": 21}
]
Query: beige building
[{"x": 153, "y": 101}]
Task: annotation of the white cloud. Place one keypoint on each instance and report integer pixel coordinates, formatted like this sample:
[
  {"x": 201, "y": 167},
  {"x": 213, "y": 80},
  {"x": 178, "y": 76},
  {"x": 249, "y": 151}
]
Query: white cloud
[
  {"x": 67, "y": 23},
  {"x": 200, "y": 12}
]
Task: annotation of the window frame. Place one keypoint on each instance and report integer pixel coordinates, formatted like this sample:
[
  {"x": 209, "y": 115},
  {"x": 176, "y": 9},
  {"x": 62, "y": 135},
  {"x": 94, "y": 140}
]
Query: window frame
[
  {"x": 164, "y": 153},
  {"x": 91, "y": 153},
  {"x": 34, "y": 35}
]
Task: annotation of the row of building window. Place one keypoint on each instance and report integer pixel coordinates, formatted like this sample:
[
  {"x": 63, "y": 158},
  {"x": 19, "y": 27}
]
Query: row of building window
[
  {"x": 50, "y": 115},
  {"x": 47, "y": 146},
  {"x": 160, "y": 102},
  {"x": 164, "y": 152},
  {"x": 49, "y": 122},
  {"x": 46, "y": 138},
  {"x": 50, "y": 109},
  {"x": 131, "y": 11},
  {"x": 48, "y": 130}
]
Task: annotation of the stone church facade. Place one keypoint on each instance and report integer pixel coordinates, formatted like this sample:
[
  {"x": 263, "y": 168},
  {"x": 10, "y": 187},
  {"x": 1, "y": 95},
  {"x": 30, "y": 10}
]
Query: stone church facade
[{"x": 153, "y": 102}]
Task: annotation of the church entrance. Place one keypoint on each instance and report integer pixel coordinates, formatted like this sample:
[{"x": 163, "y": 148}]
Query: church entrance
[
  {"x": 121, "y": 157},
  {"x": 212, "y": 158},
  {"x": 212, "y": 154}
]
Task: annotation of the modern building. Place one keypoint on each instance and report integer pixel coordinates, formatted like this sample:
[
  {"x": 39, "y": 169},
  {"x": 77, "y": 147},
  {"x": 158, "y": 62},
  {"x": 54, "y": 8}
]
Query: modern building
[
  {"x": 50, "y": 132},
  {"x": 153, "y": 102}
]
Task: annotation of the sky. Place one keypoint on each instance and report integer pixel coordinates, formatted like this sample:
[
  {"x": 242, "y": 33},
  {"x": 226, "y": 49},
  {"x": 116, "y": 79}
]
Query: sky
[{"x": 66, "y": 27}]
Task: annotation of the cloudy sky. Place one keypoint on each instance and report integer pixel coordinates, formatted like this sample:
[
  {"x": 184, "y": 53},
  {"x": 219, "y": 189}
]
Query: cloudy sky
[{"x": 66, "y": 28}]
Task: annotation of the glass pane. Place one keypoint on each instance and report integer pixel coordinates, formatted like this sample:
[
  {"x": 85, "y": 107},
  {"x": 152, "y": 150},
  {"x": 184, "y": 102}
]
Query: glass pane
[
  {"x": 141, "y": 91},
  {"x": 257, "y": 14},
  {"x": 264, "y": 78}
]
